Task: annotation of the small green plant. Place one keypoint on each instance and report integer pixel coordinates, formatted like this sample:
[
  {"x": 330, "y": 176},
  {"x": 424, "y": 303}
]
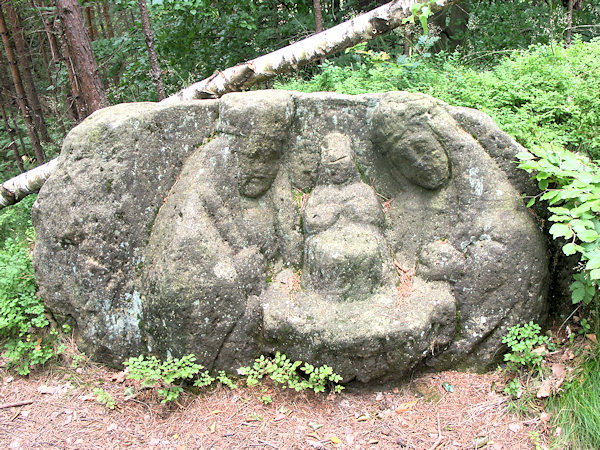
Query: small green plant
[
  {"x": 421, "y": 11},
  {"x": 536, "y": 440},
  {"x": 266, "y": 399},
  {"x": 284, "y": 372},
  {"x": 522, "y": 342},
  {"x": 169, "y": 374},
  {"x": 514, "y": 388},
  {"x": 77, "y": 359},
  {"x": 104, "y": 398},
  {"x": 225, "y": 380}
]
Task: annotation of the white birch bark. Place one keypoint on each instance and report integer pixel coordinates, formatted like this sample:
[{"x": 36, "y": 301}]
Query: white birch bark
[
  {"x": 30, "y": 182},
  {"x": 362, "y": 28}
]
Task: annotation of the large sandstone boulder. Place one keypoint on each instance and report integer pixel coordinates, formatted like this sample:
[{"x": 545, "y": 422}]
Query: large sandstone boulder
[{"x": 374, "y": 233}]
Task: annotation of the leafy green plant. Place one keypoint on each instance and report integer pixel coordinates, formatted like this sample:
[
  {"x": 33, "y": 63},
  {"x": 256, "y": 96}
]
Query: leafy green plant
[
  {"x": 422, "y": 11},
  {"x": 225, "y": 380},
  {"x": 104, "y": 398},
  {"x": 513, "y": 388},
  {"x": 266, "y": 399},
  {"x": 167, "y": 375},
  {"x": 282, "y": 371},
  {"x": 570, "y": 183},
  {"x": 24, "y": 329},
  {"x": 522, "y": 341}
]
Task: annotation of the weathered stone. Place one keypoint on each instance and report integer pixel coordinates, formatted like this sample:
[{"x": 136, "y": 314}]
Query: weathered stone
[{"x": 374, "y": 233}]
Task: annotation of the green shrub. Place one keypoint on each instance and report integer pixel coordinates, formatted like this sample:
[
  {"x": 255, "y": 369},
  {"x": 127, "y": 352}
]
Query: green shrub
[
  {"x": 522, "y": 340},
  {"x": 23, "y": 325},
  {"x": 570, "y": 183},
  {"x": 169, "y": 374},
  {"x": 283, "y": 371}
]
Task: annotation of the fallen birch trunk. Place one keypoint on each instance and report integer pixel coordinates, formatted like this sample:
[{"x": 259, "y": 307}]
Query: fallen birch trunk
[
  {"x": 362, "y": 28},
  {"x": 30, "y": 182}
]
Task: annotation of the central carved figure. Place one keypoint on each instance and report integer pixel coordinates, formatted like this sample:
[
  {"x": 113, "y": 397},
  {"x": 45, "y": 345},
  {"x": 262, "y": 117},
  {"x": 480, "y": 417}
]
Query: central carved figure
[
  {"x": 345, "y": 253},
  {"x": 410, "y": 244}
]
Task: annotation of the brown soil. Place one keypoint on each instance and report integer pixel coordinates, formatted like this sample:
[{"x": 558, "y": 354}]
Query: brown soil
[{"x": 422, "y": 414}]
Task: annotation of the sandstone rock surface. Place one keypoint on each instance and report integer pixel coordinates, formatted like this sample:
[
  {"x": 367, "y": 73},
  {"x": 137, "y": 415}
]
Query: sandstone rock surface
[{"x": 374, "y": 233}]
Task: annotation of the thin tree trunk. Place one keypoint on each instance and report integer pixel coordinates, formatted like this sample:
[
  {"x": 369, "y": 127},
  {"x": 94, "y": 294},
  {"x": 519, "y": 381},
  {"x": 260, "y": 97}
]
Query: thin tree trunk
[
  {"x": 22, "y": 55},
  {"x": 318, "y": 16},
  {"x": 77, "y": 101},
  {"x": 20, "y": 91},
  {"x": 89, "y": 19},
  {"x": 50, "y": 34},
  {"x": 360, "y": 29},
  {"x": 81, "y": 55},
  {"x": 11, "y": 136},
  {"x": 149, "y": 37},
  {"x": 569, "y": 23},
  {"x": 107, "y": 19}
]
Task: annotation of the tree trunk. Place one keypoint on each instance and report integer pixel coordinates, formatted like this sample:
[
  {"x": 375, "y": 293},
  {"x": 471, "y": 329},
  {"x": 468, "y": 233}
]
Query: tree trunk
[
  {"x": 81, "y": 55},
  {"x": 19, "y": 187},
  {"x": 11, "y": 136},
  {"x": 318, "y": 16},
  {"x": 107, "y": 19},
  {"x": 89, "y": 19},
  {"x": 22, "y": 54},
  {"x": 149, "y": 37},
  {"x": 50, "y": 34},
  {"x": 20, "y": 91},
  {"x": 77, "y": 101},
  {"x": 569, "y": 23},
  {"x": 361, "y": 28}
]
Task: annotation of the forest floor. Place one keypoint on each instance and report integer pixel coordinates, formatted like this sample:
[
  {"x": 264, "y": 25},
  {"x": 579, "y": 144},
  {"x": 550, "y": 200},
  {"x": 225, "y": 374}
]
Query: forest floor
[{"x": 56, "y": 408}]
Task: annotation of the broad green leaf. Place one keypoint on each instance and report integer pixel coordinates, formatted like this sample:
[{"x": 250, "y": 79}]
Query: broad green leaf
[
  {"x": 555, "y": 218},
  {"x": 561, "y": 230},
  {"x": 559, "y": 210},
  {"x": 595, "y": 274},
  {"x": 524, "y": 156},
  {"x": 593, "y": 264},
  {"x": 586, "y": 235},
  {"x": 570, "y": 249},
  {"x": 578, "y": 295}
]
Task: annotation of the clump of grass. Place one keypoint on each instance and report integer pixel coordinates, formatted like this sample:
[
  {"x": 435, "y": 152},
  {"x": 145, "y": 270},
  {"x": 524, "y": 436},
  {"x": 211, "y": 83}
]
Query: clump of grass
[{"x": 576, "y": 410}]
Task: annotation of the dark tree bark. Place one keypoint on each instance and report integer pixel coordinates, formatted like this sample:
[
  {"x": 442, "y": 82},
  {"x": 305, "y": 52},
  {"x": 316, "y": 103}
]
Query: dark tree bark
[
  {"x": 76, "y": 103},
  {"x": 149, "y": 37},
  {"x": 81, "y": 56},
  {"x": 89, "y": 19},
  {"x": 24, "y": 62},
  {"x": 318, "y": 16},
  {"x": 11, "y": 136},
  {"x": 569, "y": 23},
  {"x": 107, "y": 19},
  {"x": 20, "y": 91}
]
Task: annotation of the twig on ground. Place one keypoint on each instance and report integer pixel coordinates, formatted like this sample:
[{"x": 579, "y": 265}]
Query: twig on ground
[
  {"x": 15, "y": 404},
  {"x": 440, "y": 437}
]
